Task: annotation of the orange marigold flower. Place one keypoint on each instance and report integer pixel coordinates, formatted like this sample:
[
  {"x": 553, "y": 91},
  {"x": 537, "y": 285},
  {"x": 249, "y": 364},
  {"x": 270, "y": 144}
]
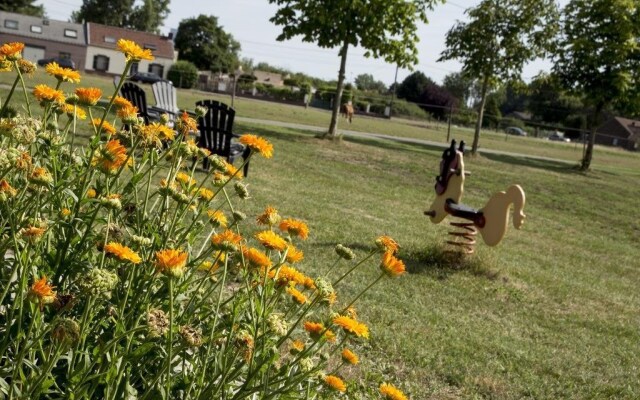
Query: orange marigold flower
[
  {"x": 226, "y": 241},
  {"x": 217, "y": 218},
  {"x": 297, "y": 296},
  {"x": 121, "y": 102},
  {"x": 349, "y": 357},
  {"x": 6, "y": 190},
  {"x": 335, "y": 383},
  {"x": 255, "y": 258},
  {"x": 88, "y": 96},
  {"x": 289, "y": 275},
  {"x": 72, "y": 111},
  {"x": 11, "y": 50},
  {"x": 309, "y": 283},
  {"x": 230, "y": 170},
  {"x": 350, "y": 325},
  {"x": 111, "y": 157},
  {"x": 314, "y": 328},
  {"x": 257, "y": 144},
  {"x": 32, "y": 233},
  {"x": 294, "y": 255},
  {"x": 48, "y": 94},
  {"x": 269, "y": 217},
  {"x": 42, "y": 292},
  {"x": 128, "y": 112},
  {"x": 62, "y": 74},
  {"x": 387, "y": 244},
  {"x": 297, "y": 346},
  {"x": 185, "y": 179},
  {"x": 295, "y": 228},
  {"x": 171, "y": 262},
  {"x": 205, "y": 194},
  {"x": 158, "y": 130},
  {"x": 186, "y": 124},
  {"x": 133, "y": 52},
  {"x": 390, "y": 392},
  {"x": 123, "y": 253},
  {"x": 390, "y": 265},
  {"x": 41, "y": 175},
  {"x": 271, "y": 240}
]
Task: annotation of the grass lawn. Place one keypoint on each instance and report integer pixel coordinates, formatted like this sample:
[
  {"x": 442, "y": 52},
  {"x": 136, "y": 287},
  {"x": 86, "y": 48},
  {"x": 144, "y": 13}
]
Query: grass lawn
[{"x": 552, "y": 312}]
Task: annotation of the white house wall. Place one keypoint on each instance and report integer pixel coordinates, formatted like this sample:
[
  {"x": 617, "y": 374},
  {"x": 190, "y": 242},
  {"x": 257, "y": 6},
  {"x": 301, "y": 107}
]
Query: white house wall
[{"x": 117, "y": 61}]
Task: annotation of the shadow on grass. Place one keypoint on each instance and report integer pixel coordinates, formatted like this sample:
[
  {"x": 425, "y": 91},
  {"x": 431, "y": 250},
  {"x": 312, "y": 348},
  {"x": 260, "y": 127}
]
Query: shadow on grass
[
  {"x": 547, "y": 165},
  {"x": 440, "y": 261}
]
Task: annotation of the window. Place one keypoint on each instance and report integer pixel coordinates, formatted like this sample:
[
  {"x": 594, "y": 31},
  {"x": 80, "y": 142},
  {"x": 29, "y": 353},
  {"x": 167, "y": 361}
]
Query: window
[
  {"x": 45, "y": 22},
  {"x": 10, "y": 24},
  {"x": 72, "y": 33},
  {"x": 157, "y": 69},
  {"x": 109, "y": 39},
  {"x": 150, "y": 46},
  {"x": 100, "y": 63},
  {"x": 36, "y": 29},
  {"x": 134, "y": 68},
  {"x": 62, "y": 54}
]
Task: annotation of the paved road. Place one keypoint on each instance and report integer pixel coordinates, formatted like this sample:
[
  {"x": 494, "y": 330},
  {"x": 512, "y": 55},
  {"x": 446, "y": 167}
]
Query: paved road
[{"x": 394, "y": 138}]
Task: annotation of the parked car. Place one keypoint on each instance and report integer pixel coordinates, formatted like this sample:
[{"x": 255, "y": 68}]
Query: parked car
[
  {"x": 514, "y": 130},
  {"x": 62, "y": 61},
  {"x": 145, "y": 77},
  {"x": 558, "y": 137}
]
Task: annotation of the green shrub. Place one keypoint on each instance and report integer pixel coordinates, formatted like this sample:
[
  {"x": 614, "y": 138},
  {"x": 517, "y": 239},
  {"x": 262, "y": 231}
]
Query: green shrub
[{"x": 183, "y": 74}]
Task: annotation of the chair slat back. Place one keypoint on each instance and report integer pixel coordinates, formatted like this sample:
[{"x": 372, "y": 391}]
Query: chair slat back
[
  {"x": 216, "y": 127},
  {"x": 136, "y": 95},
  {"x": 165, "y": 95}
]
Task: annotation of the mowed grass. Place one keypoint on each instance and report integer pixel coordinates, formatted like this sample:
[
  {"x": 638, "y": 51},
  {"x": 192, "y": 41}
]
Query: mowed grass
[{"x": 552, "y": 312}]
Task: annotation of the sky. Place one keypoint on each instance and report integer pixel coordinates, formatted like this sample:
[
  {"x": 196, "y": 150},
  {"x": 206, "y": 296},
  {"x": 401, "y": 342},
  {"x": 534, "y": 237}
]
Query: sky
[{"x": 248, "y": 22}]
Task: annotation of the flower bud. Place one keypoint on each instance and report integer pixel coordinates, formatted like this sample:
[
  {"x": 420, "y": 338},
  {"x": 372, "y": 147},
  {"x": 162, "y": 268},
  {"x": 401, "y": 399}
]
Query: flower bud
[
  {"x": 241, "y": 190},
  {"x": 345, "y": 252}
]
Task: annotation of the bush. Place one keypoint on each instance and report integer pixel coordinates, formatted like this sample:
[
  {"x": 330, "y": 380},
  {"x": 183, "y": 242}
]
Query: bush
[
  {"x": 407, "y": 109},
  {"x": 183, "y": 74},
  {"x": 127, "y": 275},
  {"x": 508, "y": 122}
]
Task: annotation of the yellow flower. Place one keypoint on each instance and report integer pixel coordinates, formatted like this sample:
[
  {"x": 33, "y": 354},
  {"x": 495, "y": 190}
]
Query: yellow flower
[
  {"x": 335, "y": 383},
  {"x": 48, "y": 94},
  {"x": 6, "y": 190},
  {"x": 88, "y": 96},
  {"x": 387, "y": 244},
  {"x": 295, "y": 227},
  {"x": 32, "y": 233},
  {"x": 309, "y": 283},
  {"x": 128, "y": 113},
  {"x": 217, "y": 218},
  {"x": 171, "y": 262},
  {"x": 185, "y": 124},
  {"x": 107, "y": 128},
  {"x": 62, "y": 74},
  {"x": 288, "y": 275},
  {"x": 70, "y": 110},
  {"x": 157, "y": 130},
  {"x": 294, "y": 255},
  {"x": 11, "y": 50},
  {"x": 314, "y": 328},
  {"x": 349, "y": 357},
  {"x": 42, "y": 292},
  {"x": 121, "y": 102},
  {"x": 123, "y": 253},
  {"x": 271, "y": 240},
  {"x": 5, "y": 65},
  {"x": 269, "y": 217},
  {"x": 390, "y": 265},
  {"x": 111, "y": 157},
  {"x": 185, "y": 179},
  {"x": 41, "y": 175},
  {"x": 257, "y": 144},
  {"x": 391, "y": 393},
  {"x": 226, "y": 241},
  {"x": 26, "y": 67},
  {"x": 230, "y": 170},
  {"x": 133, "y": 52},
  {"x": 91, "y": 193},
  {"x": 297, "y": 296},
  {"x": 205, "y": 194},
  {"x": 297, "y": 346},
  {"x": 65, "y": 212},
  {"x": 350, "y": 325},
  {"x": 255, "y": 258}
]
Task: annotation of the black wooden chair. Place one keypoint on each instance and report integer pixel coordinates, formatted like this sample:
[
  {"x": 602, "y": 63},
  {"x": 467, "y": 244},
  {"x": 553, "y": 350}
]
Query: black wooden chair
[
  {"x": 216, "y": 132},
  {"x": 136, "y": 95}
]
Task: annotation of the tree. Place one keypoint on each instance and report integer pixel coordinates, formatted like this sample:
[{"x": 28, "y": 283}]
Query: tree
[
  {"x": 367, "y": 82},
  {"x": 459, "y": 85},
  {"x": 23, "y": 7},
  {"x": 599, "y": 57},
  {"x": 147, "y": 16},
  {"x": 437, "y": 100},
  {"x": 412, "y": 87},
  {"x": 501, "y": 36},
  {"x": 491, "y": 119},
  {"x": 549, "y": 102},
  {"x": 183, "y": 74},
  {"x": 385, "y": 28},
  {"x": 204, "y": 43}
]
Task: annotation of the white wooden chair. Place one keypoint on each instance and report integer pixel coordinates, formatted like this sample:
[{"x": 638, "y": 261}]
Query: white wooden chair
[{"x": 165, "y": 95}]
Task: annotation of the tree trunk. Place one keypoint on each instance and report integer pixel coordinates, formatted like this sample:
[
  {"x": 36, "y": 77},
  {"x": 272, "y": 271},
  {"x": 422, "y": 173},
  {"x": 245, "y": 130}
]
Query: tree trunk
[
  {"x": 588, "y": 154},
  {"x": 483, "y": 101},
  {"x": 333, "y": 127}
]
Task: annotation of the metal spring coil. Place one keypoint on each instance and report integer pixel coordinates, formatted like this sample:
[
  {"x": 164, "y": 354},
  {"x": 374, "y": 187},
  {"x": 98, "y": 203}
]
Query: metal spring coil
[{"x": 465, "y": 237}]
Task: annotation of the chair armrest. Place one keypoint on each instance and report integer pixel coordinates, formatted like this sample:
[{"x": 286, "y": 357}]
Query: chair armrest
[{"x": 161, "y": 111}]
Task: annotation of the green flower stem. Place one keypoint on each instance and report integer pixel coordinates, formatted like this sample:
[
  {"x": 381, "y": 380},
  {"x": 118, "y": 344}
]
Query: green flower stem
[
  {"x": 13, "y": 88},
  {"x": 363, "y": 292},
  {"x": 170, "y": 339},
  {"x": 49, "y": 364},
  {"x": 24, "y": 88},
  {"x": 354, "y": 267}
]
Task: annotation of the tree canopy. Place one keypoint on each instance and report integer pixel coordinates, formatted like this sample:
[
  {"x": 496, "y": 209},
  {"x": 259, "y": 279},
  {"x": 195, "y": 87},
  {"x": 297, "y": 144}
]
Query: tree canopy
[
  {"x": 499, "y": 38},
  {"x": 384, "y": 28},
  {"x": 459, "y": 85},
  {"x": 600, "y": 57},
  {"x": 203, "y": 42},
  {"x": 412, "y": 86},
  {"x": 147, "y": 16},
  {"x": 23, "y": 7},
  {"x": 368, "y": 83}
]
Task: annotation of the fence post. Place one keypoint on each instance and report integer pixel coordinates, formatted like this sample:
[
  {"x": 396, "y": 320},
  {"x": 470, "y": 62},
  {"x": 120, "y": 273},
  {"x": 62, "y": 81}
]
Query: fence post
[{"x": 449, "y": 124}]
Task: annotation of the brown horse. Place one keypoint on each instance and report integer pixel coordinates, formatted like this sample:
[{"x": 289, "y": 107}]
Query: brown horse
[{"x": 347, "y": 111}]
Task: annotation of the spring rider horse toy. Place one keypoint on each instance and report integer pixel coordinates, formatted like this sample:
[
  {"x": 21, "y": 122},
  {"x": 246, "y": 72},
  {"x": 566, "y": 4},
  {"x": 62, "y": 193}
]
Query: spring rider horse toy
[{"x": 491, "y": 220}]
